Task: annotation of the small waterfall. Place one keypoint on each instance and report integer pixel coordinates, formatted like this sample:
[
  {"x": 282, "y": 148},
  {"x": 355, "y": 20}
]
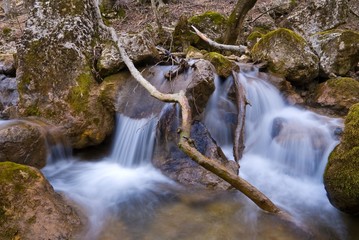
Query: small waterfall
[
  {"x": 221, "y": 115},
  {"x": 286, "y": 150},
  {"x": 104, "y": 188},
  {"x": 134, "y": 141}
]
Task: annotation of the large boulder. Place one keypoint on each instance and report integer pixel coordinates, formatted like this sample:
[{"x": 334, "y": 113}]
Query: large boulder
[
  {"x": 312, "y": 16},
  {"x": 287, "y": 54},
  {"x": 341, "y": 175},
  {"x": 177, "y": 165},
  {"x": 337, "y": 95},
  {"x": 23, "y": 142},
  {"x": 338, "y": 51},
  {"x": 55, "y": 72},
  {"x": 139, "y": 47},
  {"x": 29, "y": 207}
]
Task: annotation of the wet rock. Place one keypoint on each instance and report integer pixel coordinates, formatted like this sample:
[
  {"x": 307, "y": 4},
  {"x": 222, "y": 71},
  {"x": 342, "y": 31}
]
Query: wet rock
[
  {"x": 176, "y": 164},
  {"x": 287, "y": 54},
  {"x": 341, "y": 175},
  {"x": 337, "y": 95},
  {"x": 338, "y": 51},
  {"x": 30, "y": 208},
  {"x": 314, "y": 16},
  {"x": 24, "y": 143},
  {"x": 134, "y": 101},
  {"x": 139, "y": 47},
  {"x": 55, "y": 75}
]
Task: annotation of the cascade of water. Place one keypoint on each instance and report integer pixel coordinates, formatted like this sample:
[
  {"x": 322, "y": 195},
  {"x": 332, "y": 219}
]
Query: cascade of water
[
  {"x": 102, "y": 188},
  {"x": 134, "y": 141},
  {"x": 220, "y": 114},
  {"x": 286, "y": 150}
]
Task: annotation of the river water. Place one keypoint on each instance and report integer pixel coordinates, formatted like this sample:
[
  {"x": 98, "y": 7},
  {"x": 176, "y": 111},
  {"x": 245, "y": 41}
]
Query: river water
[{"x": 124, "y": 197}]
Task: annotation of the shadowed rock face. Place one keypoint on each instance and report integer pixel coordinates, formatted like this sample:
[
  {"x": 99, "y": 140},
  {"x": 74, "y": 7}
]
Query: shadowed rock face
[{"x": 29, "y": 207}]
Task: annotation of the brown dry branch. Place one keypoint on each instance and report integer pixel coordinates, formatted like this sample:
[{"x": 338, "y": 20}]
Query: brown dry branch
[
  {"x": 186, "y": 143},
  {"x": 238, "y": 146},
  {"x": 235, "y": 48}
]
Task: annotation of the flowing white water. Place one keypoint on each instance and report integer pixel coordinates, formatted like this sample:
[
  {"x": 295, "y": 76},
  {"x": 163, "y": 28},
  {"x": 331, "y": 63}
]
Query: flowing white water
[
  {"x": 286, "y": 152},
  {"x": 103, "y": 188}
]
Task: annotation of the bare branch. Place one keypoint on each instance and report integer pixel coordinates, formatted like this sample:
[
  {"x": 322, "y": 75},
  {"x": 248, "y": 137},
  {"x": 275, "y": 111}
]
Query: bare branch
[
  {"x": 238, "y": 146},
  {"x": 240, "y": 48}
]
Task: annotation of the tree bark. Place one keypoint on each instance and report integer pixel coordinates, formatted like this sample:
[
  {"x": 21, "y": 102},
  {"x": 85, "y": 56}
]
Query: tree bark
[
  {"x": 236, "y": 48},
  {"x": 236, "y": 19},
  {"x": 238, "y": 143}
]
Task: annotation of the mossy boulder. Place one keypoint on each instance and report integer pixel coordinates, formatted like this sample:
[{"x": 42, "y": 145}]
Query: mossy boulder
[
  {"x": 222, "y": 65},
  {"x": 338, "y": 51},
  {"x": 55, "y": 75},
  {"x": 23, "y": 142},
  {"x": 212, "y": 24},
  {"x": 287, "y": 54},
  {"x": 337, "y": 94},
  {"x": 341, "y": 177},
  {"x": 313, "y": 16},
  {"x": 29, "y": 207}
]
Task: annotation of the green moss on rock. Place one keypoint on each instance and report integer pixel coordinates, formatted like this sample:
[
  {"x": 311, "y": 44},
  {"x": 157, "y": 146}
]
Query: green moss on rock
[
  {"x": 16, "y": 174},
  {"x": 222, "y": 65},
  {"x": 287, "y": 54},
  {"x": 79, "y": 94},
  {"x": 338, "y": 94},
  {"x": 341, "y": 177}
]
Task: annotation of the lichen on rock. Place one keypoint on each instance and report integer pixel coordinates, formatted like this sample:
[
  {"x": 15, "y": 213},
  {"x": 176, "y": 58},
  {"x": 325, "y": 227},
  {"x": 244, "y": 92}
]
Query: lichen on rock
[
  {"x": 338, "y": 51},
  {"x": 287, "y": 54},
  {"x": 341, "y": 177},
  {"x": 55, "y": 72}
]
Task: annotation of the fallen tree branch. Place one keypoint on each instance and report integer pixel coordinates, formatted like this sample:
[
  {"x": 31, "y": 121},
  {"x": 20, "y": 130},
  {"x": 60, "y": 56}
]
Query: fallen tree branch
[
  {"x": 241, "y": 49},
  {"x": 238, "y": 143},
  {"x": 186, "y": 143}
]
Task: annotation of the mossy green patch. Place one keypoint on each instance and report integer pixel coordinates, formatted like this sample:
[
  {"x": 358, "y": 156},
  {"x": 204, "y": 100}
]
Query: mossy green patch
[
  {"x": 79, "y": 95},
  {"x": 16, "y": 174},
  {"x": 341, "y": 176},
  {"x": 211, "y": 16},
  {"x": 222, "y": 65}
]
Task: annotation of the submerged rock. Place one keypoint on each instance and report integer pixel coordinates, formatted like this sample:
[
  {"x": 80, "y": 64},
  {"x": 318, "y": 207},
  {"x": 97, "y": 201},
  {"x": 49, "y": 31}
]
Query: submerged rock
[
  {"x": 30, "y": 208},
  {"x": 338, "y": 51},
  {"x": 341, "y": 175},
  {"x": 337, "y": 94},
  {"x": 287, "y": 54},
  {"x": 24, "y": 143}
]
